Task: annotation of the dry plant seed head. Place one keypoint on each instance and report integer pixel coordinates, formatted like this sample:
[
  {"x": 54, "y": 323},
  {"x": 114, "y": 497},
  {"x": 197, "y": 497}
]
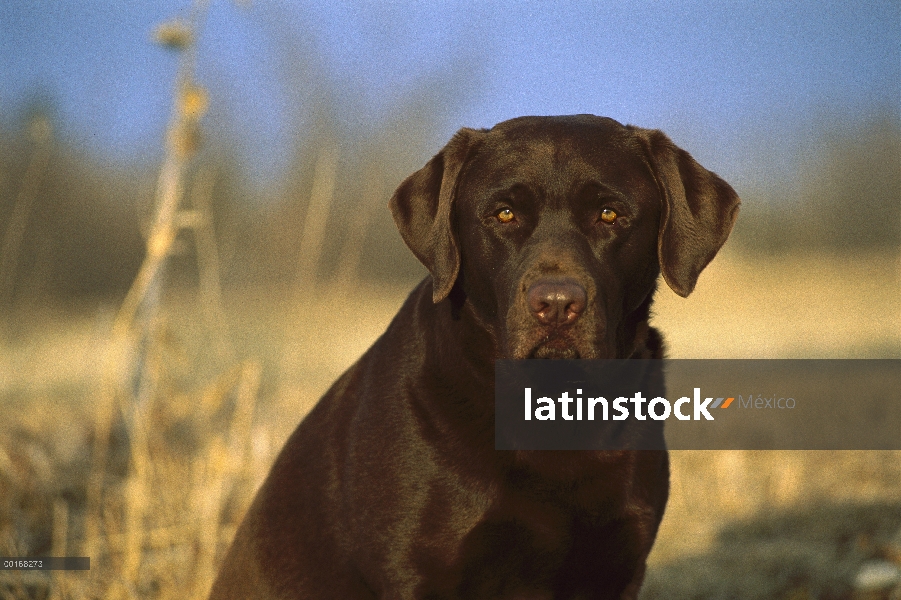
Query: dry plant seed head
[
  {"x": 174, "y": 35},
  {"x": 193, "y": 102},
  {"x": 40, "y": 129}
]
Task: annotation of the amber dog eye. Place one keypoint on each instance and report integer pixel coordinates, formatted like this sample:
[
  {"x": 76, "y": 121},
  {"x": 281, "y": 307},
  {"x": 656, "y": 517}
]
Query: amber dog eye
[
  {"x": 608, "y": 215},
  {"x": 505, "y": 215}
]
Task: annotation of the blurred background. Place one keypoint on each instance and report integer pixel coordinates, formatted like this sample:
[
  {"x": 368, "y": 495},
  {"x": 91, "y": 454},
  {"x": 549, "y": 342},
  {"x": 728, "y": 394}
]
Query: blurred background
[{"x": 195, "y": 242}]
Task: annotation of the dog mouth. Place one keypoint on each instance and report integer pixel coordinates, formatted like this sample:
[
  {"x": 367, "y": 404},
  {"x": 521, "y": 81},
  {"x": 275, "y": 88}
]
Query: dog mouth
[
  {"x": 523, "y": 340},
  {"x": 545, "y": 353},
  {"x": 555, "y": 350}
]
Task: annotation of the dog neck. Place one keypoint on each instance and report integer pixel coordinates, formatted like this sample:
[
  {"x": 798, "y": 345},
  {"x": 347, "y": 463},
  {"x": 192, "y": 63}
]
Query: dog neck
[{"x": 637, "y": 339}]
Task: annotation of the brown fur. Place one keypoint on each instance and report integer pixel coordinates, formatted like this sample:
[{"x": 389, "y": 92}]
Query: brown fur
[{"x": 391, "y": 487}]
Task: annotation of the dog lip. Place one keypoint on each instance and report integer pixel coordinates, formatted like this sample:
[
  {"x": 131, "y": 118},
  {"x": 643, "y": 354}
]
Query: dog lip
[
  {"x": 555, "y": 344},
  {"x": 554, "y": 352}
]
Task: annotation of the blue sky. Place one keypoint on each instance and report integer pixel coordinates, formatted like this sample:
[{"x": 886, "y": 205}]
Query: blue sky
[{"x": 743, "y": 86}]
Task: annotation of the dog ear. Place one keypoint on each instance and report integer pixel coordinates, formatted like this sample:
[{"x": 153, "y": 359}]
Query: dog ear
[
  {"x": 423, "y": 206},
  {"x": 699, "y": 210}
]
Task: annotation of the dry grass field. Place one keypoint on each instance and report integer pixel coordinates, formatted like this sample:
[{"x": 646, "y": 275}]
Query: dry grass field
[{"x": 152, "y": 491}]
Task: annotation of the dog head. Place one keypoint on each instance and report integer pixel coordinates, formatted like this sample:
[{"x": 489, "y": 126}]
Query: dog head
[{"x": 554, "y": 230}]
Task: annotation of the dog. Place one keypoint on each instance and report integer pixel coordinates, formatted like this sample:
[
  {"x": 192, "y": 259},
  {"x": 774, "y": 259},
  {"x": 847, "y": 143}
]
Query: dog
[{"x": 544, "y": 238}]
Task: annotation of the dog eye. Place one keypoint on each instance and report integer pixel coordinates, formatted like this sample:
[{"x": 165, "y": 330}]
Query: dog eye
[
  {"x": 505, "y": 215},
  {"x": 608, "y": 215}
]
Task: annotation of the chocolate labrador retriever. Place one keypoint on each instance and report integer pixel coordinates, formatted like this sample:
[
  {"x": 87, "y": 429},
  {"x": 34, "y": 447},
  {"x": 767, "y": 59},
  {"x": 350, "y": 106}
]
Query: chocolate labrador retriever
[{"x": 544, "y": 238}]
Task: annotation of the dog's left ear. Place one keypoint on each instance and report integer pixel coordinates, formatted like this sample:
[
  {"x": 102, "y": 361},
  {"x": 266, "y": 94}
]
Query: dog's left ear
[
  {"x": 423, "y": 205},
  {"x": 698, "y": 211}
]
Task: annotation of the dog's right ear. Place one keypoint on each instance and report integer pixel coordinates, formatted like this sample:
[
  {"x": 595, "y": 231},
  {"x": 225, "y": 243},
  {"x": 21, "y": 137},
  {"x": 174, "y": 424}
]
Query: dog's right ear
[{"x": 423, "y": 206}]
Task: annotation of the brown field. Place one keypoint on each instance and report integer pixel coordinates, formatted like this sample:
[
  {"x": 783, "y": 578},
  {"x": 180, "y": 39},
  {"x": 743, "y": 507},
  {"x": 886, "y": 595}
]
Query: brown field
[{"x": 152, "y": 492}]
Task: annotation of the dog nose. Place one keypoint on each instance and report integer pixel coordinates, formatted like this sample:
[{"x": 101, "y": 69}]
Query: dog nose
[{"x": 556, "y": 302}]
